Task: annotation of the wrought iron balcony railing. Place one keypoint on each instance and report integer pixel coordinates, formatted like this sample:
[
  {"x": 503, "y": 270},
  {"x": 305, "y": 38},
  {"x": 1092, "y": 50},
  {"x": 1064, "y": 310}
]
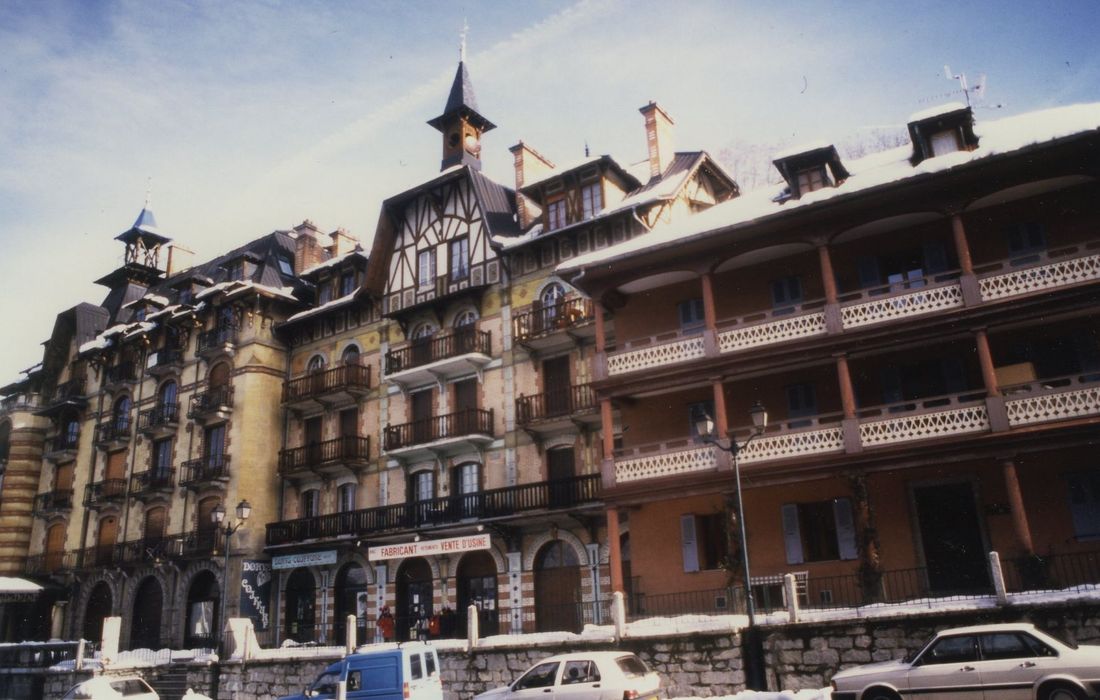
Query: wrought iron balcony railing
[
  {"x": 196, "y": 472},
  {"x": 55, "y": 501},
  {"x": 153, "y": 480},
  {"x": 217, "y": 338},
  {"x": 70, "y": 390},
  {"x": 163, "y": 416},
  {"x": 352, "y": 378},
  {"x": 65, "y": 442},
  {"x": 495, "y": 503},
  {"x": 113, "y": 430},
  {"x": 100, "y": 493},
  {"x": 555, "y": 403},
  {"x": 425, "y": 351},
  {"x": 216, "y": 400},
  {"x": 122, "y": 372},
  {"x": 347, "y": 449},
  {"x": 467, "y": 422}
]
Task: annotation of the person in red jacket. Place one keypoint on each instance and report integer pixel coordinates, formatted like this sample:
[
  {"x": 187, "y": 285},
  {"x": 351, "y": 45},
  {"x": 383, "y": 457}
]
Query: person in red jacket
[{"x": 385, "y": 624}]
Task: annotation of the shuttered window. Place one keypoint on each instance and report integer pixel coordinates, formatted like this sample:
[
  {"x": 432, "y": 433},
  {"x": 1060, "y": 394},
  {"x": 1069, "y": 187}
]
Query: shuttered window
[{"x": 819, "y": 531}]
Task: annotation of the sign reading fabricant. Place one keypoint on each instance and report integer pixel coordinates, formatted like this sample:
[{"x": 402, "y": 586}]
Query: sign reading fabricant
[
  {"x": 453, "y": 545},
  {"x": 293, "y": 561}
]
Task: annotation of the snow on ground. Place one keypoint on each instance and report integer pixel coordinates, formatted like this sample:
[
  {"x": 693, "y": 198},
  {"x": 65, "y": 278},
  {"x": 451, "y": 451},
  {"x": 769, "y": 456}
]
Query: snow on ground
[{"x": 823, "y": 694}]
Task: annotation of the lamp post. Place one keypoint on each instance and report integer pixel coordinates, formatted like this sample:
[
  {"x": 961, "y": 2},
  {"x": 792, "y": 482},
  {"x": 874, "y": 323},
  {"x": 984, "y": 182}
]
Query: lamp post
[
  {"x": 704, "y": 427},
  {"x": 244, "y": 509}
]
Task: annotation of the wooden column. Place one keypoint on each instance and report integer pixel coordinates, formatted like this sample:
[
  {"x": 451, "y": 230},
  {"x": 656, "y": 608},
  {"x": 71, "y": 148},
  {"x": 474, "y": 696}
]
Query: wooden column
[
  {"x": 721, "y": 418},
  {"x": 710, "y": 316},
  {"x": 850, "y": 424},
  {"x": 1020, "y": 525},
  {"x": 614, "y": 554},
  {"x": 833, "y": 323},
  {"x": 607, "y": 425},
  {"x": 994, "y": 401},
  {"x": 971, "y": 293},
  {"x": 601, "y": 338}
]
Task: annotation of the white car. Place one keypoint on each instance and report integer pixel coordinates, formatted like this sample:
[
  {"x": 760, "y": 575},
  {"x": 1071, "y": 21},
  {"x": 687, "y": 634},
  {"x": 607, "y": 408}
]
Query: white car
[
  {"x": 106, "y": 688},
  {"x": 1004, "y": 661},
  {"x": 597, "y": 675}
]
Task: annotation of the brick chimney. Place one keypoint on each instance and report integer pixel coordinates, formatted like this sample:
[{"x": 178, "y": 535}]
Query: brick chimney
[
  {"x": 658, "y": 137},
  {"x": 342, "y": 242},
  {"x": 530, "y": 166},
  {"x": 309, "y": 250}
]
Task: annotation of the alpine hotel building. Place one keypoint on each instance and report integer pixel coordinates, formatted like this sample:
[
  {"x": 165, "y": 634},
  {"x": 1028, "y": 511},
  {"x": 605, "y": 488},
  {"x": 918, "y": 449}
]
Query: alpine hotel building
[{"x": 497, "y": 404}]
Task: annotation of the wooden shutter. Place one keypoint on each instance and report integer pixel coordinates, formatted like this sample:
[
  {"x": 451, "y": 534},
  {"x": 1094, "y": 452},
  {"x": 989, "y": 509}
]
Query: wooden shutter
[
  {"x": 64, "y": 476},
  {"x": 792, "y": 534},
  {"x": 116, "y": 465},
  {"x": 688, "y": 544},
  {"x": 155, "y": 523},
  {"x": 108, "y": 531},
  {"x": 55, "y": 539},
  {"x": 349, "y": 422},
  {"x": 845, "y": 529}
]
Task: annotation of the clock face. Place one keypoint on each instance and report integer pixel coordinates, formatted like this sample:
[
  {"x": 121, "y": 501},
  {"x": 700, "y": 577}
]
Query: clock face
[{"x": 472, "y": 145}]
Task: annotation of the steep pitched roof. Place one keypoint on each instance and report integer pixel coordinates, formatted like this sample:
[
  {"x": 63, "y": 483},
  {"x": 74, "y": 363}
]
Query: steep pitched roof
[{"x": 461, "y": 101}]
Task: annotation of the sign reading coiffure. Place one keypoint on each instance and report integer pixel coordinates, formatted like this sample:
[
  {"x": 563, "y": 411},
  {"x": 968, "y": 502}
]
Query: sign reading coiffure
[{"x": 453, "y": 545}]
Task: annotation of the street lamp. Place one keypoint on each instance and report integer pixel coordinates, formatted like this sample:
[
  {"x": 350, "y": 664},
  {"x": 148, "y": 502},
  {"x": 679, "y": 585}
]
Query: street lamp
[
  {"x": 704, "y": 427},
  {"x": 217, "y": 516}
]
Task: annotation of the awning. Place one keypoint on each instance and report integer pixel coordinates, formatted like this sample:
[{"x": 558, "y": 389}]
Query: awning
[{"x": 18, "y": 590}]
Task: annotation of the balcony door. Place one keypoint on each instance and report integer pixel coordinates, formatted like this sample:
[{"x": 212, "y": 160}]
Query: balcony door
[
  {"x": 213, "y": 449},
  {"x": 205, "y": 529},
  {"x": 218, "y": 381},
  {"x": 422, "y": 416},
  {"x": 105, "y": 540},
  {"x": 313, "y": 434},
  {"x": 465, "y": 394},
  {"x": 561, "y": 468},
  {"x": 116, "y": 466},
  {"x": 349, "y": 430},
  {"x": 64, "y": 478},
  {"x": 55, "y": 547},
  {"x": 556, "y": 385}
]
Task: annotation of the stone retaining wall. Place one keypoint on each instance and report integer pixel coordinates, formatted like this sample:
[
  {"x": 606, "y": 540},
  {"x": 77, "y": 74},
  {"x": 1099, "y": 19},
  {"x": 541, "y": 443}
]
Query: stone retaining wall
[{"x": 801, "y": 655}]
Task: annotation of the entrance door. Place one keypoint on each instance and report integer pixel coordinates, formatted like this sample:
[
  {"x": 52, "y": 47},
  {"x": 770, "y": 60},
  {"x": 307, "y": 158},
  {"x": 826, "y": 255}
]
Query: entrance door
[
  {"x": 954, "y": 553},
  {"x": 99, "y": 607},
  {"x": 422, "y": 417},
  {"x": 145, "y": 624},
  {"x": 557, "y": 589},
  {"x": 206, "y": 532},
  {"x": 414, "y": 598},
  {"x": 300, "y": 606},
  {"x": 477, "y": 586},
  {"x": 555, "y": 385},
  {"x": 560, "y": 470}
]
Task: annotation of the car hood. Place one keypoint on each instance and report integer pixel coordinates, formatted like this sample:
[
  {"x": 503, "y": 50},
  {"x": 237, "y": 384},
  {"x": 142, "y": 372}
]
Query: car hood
[
  {"x": 873, "y": 669},
  {"x": 494, "y": 693}
]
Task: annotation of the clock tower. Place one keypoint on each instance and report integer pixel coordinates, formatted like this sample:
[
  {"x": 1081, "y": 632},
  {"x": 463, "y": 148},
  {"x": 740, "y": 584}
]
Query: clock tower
[{"x": 461, "y": 124}]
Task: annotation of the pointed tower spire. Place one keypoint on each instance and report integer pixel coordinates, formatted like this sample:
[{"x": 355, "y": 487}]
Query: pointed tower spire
[
  {"x": 462, "y": 41},
  {"x": 461, "y": 124}
]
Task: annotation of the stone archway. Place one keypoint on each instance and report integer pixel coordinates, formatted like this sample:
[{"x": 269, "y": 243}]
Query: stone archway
[
  {"x": 99, "y": 606},
  {"x": 202, "y": 611},
  {"x": 414, "y": 596},
  {"x": 145, "y": 619}
]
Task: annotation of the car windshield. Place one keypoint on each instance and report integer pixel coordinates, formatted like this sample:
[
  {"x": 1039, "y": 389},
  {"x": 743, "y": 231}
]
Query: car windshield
[
  {"x": 541, "y": 676},
  {"x": 326, "y": 682},
  {"x": 912, "y": 656}
]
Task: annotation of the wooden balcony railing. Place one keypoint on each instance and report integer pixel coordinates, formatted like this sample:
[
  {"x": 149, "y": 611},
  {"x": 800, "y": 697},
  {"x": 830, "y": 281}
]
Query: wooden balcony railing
[
  {"x": 468, "y": 422},
  {"x": 53, "y": 501},
  {"x": 353, "y": 377},
  {"x": 113, "y": 430},
  {"x": 102, "y": 492},
  {"x": 555, "y": 403},
  {"x": 565, "y": 314},
  {"x": 122, "y": 372},
  {"x": 424, "y": 351},
  {"x": 203, "y": 470},
  {"x": 349, "y": 448},
  {"x": 152, "y": 480},
  {"x": 217, "y": 399},
  {"x": 512, "y": 500},
  {"x": 217, "y": 338},
  {"x": 164, "y": 416}
]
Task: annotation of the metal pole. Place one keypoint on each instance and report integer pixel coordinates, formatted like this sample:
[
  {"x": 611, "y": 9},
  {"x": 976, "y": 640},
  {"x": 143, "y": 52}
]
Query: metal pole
[
  {"x": 750, "y": 605},
  {"x": 225, "y": 590}
]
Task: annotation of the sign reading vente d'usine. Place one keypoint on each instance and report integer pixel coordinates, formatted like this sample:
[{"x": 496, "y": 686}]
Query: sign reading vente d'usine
[{"x": 453, "y": 545}]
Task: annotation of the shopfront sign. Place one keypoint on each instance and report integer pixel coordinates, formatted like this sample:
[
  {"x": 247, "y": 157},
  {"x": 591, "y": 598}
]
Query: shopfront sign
[
  {"x": 454, "y": 545},
  {"x": 293, "y": 561},
  {"x": 256, "y": 592}
]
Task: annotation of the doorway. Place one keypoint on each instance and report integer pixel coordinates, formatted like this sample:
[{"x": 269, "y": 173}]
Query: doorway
[
  {"x": 951, "y": 537},
  {"x": 414, "y": 598},
  {"x": 477, "y": 586},
  {"x": 557, "y": 589},
  {"x": 145, "y": 625},
  {"x": 98, "y": 608},
  {"x": 300, "y": 606}
]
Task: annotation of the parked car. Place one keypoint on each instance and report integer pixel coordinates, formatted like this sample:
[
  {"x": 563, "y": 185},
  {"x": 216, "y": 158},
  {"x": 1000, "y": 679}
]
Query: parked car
[
  {"x": 1005, "y": 661},
  {"x": 407, "y": 672},
  {"x": 104, "y": 688},
  {"x": 597, "y": 675}
]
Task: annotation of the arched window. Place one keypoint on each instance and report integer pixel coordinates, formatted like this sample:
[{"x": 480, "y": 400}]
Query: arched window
[
  {"x": 120, "y": 414},
  {"x": 166, "y": 401},
  {"x": 350, "y": 355},
  {"x": 316, "y": 363},
  {"x": 551, "y": 300},
  {"x": 465, "y": 318},
  {"x": 424, "y": 330}
]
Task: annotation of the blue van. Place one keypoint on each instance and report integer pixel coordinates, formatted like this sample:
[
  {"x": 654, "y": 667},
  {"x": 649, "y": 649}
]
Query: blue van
[{"x": 407, "y": 672}]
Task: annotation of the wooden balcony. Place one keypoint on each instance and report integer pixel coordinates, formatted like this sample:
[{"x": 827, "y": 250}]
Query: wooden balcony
[
  {"x": 543, "y": 327},
  {"x": 499, "y": 504},
  {"x": 331, "y": 388},
  {"x": 101, "y": 493},
  {"x": 896, "y": 302},
  {"x": 211, "y": 406},
  {"x": 165, "y": 361},
  {"x": 559, "y": 409},
  {"x": 473, "y": 426},
  {"x": 159, "y": 421},
  {"x": 122, "y": 373},
  {"x": 217, "y": 340},
  {"x": 53, "y": 502},
  {"x": 152, "y": 482},
  {"x": 949, "y": 417},
  {"x": 211, "y": 469},
  {"x": 341, "y": 455},
  {"x": 113, "y": 434},
  {"x": 440, "y": 357}
]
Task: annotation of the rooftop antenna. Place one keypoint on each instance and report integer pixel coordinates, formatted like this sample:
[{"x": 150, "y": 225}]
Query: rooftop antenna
[
  {"x": 462, "y": 41},
  {"x": 977, "y": 89},
  {"x": 148, "y": 191},
  {"x": 586, "y": 154}
]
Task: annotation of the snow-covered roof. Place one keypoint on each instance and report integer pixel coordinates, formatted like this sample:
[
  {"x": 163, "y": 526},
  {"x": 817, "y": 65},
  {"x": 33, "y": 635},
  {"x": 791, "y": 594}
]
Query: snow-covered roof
[
  {"x": 558, "y": 170},
  {"x": 12, "y": 584},
  {"x": 995, "y": 138},
  {"x": 801, "y": 148},
  {"x": 936, "y": 111},
  {"x": 328, "y": 306},
  {"x": 238, "y": 287},
  {"x": 334, "y": 261}
]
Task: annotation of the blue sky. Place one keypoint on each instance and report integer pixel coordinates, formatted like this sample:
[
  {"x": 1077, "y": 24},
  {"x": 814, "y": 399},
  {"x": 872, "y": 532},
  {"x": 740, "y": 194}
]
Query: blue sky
[{"x": 247, "y": 117}]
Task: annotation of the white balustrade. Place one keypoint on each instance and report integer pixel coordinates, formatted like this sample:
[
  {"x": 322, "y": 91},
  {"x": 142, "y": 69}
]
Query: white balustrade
[
  {"x": 1053, "y": 406},
  {"x": 670, "y": 463},
  {"x": 655, "y": 355},
  {"x": 923, "y": 426},
  {"x": 1040, "y": 277},
  {"x": 772, "y": 332},
  {"x": 923, "y": 301},
  {"x": 809, "y": 442}
]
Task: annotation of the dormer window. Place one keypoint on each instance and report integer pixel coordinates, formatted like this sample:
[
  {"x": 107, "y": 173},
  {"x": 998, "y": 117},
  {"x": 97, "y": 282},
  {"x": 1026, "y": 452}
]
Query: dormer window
[
  {"x": 286, "y": 265},
  {"x": 186, "y": 295},
  {"x": 808, "y": 168},
  {"x": 426, "y": 265},
  {"x": 234, "y": 271},
  {"x": 324, "y": 292},
  {"x": 941, "y": 130},
  {"x": 555, "y": 214},
  {"x": 591, "y": 200},
  {"x": 944, "y": 142},
  {"x": 347, "y": 283},
  {"x": 139, "y": 314},
  {"x": 812, "y": 179}
]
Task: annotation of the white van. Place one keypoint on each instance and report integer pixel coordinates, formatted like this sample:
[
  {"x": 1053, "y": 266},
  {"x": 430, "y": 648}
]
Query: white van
[{"x": 407, "y": 672}]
